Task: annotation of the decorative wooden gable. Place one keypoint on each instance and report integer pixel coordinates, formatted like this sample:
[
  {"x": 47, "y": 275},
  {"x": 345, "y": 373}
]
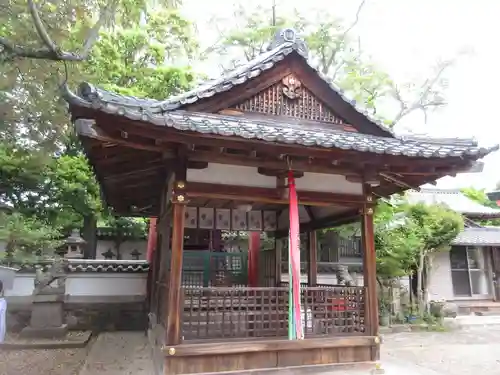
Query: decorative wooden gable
[
  {"x": 289, "y": 97},
  {"x": 281, "y": 82}
]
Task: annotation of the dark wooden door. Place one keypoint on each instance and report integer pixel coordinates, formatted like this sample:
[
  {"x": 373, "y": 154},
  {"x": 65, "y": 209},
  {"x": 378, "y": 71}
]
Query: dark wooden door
[{"x": 495, "y": 255}]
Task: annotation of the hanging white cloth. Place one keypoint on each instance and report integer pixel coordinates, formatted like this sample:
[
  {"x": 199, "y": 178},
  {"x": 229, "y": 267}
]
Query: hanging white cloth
[{"x": 3, "y": 315}]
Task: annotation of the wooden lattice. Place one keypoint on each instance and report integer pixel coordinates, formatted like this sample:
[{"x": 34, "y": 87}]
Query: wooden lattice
[
  {"x": 276, "y": 100},
  {"x": 222, "y": 313}
]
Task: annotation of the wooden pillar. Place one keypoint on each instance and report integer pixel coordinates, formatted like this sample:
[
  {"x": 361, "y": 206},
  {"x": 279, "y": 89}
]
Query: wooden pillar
[
  {"x": 278, "y": 247},
  {"x": 312, "y": 259},
  {"x": 253, "y": 258},
  {"x": 160, "y": 255},
  {"x": 216, "y": 243},
  {"x": 370, "y": 267},
  {"x": 175, "y": 298}
]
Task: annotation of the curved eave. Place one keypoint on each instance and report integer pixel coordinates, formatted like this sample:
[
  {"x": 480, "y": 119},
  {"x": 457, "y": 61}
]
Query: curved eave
[{"x": 280, "y": 133}]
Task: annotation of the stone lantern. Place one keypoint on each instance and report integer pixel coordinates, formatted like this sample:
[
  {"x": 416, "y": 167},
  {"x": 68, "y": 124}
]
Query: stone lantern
[{"x": 74, "y": 245}]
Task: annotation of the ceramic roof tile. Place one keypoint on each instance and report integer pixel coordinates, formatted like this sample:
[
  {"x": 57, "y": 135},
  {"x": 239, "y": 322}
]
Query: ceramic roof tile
[
  {"x": 286, "y": 133},
  {"x": 478, "y": 237},
  {"x": 92, "y": 265},
  {"x": 454, "y": 199},
  {"x": 167, "y": 113},
  {"x": 285, "y": 42}
]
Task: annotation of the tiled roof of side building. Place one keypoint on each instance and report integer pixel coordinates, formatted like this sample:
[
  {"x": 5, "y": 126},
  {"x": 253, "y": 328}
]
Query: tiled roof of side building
[
  {"x": 478, "y": 237},
  {"x": 455, "y": 200}
]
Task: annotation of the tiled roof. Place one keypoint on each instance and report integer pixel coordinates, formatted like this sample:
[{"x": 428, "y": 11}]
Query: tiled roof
[
  {"x": 478, "y": 237},
  {"x": 282, "y": 46},
  {"x": 454, "y": 199},
  {"x": 92, "y": 265},
  {"x": 167, "y": 113},
  {"x": 111, "y": 232},
  {"x": 279, "y": 131}
]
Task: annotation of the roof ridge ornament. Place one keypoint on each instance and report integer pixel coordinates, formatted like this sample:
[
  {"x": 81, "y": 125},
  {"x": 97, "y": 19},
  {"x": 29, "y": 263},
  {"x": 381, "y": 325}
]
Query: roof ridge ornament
[{"x": 290, "y": 37}]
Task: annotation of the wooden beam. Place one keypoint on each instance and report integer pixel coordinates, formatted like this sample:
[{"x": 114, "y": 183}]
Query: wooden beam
[
  {"x": 271, "y": 166},
  {"x": 224, "y": 348},
  {"x": 267, "y": 195},
  {"x": 330, "y": 221},
  {"x": 363, "y": 160},
  {"x": 88, "y": 128},
  {"x": 213, "y": 140},
  {"x": 310, "y": 213},
  {"x": 278, "y": 172}
]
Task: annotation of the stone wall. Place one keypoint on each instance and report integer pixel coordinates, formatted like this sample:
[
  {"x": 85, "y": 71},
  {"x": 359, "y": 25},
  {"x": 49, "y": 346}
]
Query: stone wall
[{"x": 87, "y": 313}]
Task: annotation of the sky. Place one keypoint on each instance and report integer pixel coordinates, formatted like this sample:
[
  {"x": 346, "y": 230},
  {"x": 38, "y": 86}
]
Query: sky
[{"x": 406, "y": 38}]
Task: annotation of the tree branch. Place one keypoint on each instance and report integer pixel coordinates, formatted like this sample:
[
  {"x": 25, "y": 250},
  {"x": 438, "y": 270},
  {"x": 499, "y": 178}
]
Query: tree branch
[
  {"x": 51, "y": 51},
  {"x": 420, "y": 103},
  {"x": 356, "y": 19},
  {"x": 40, "y": 29},
  {"x": 331, "y": 59}
]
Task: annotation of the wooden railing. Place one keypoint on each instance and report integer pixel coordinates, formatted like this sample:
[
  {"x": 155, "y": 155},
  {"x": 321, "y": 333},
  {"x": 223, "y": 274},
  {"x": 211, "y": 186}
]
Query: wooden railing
[{"x": 220, "y": 313}]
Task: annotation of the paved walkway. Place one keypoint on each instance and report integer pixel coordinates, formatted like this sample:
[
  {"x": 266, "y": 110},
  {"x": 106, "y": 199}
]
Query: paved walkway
[
  {"x": 473, "y": 350},
  {"x": 119, "y": 353}
]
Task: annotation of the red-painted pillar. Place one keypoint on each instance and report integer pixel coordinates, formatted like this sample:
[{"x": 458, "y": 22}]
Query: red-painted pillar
[{"x": 253, "y": 258}]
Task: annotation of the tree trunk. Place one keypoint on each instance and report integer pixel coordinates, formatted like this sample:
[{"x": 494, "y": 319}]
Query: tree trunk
[
  {"x": 426, "y": 279},
  {"x": 118, "y": 244},
  {"x": 420, "y": 280},
  {"x": 89, "y": 234},
  {"x": 9, "y": 251}
]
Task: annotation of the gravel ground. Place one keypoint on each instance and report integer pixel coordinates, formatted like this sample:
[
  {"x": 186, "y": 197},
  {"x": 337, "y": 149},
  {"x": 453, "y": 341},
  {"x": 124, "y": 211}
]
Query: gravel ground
[
  {"x": 42, "y": 362},
  {"x": 473, "y": 350},
  {"x": 119, "y": 353}
]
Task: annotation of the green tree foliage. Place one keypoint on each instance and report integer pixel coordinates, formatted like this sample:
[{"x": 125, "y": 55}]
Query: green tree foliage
[
  {"x": 125, "y": 228},
  {"x": 26, "y": 238},
  {"x": 123, "y": 45},
  {"x": 479, "y": 196},
  {"x": 407, "y": 237},
  {"x": 437, "y": 227},
  {"x": 396, "y": 241},
  {"x": 138, "y": 60}
]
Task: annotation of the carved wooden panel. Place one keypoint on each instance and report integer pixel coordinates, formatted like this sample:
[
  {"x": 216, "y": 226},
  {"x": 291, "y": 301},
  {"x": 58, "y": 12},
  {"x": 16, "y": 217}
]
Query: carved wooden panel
[
  {"x": 229, "y": 219},
  {"x": 289, "y": 98}
]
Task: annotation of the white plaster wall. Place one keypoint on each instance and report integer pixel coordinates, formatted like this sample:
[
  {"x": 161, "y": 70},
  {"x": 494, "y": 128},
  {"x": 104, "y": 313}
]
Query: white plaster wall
[
  {"x": 249, "y": 176},
  {"x": 440, "y": 285},
  {"x": 230, "y": 175},
  {"x": 88, "y": 284},
  {"x": 126, "y": 249},
  {"x": 23, "y": 286},
  {"x": 96, "y": 284},
  {"x": 327, "y": 183}
]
